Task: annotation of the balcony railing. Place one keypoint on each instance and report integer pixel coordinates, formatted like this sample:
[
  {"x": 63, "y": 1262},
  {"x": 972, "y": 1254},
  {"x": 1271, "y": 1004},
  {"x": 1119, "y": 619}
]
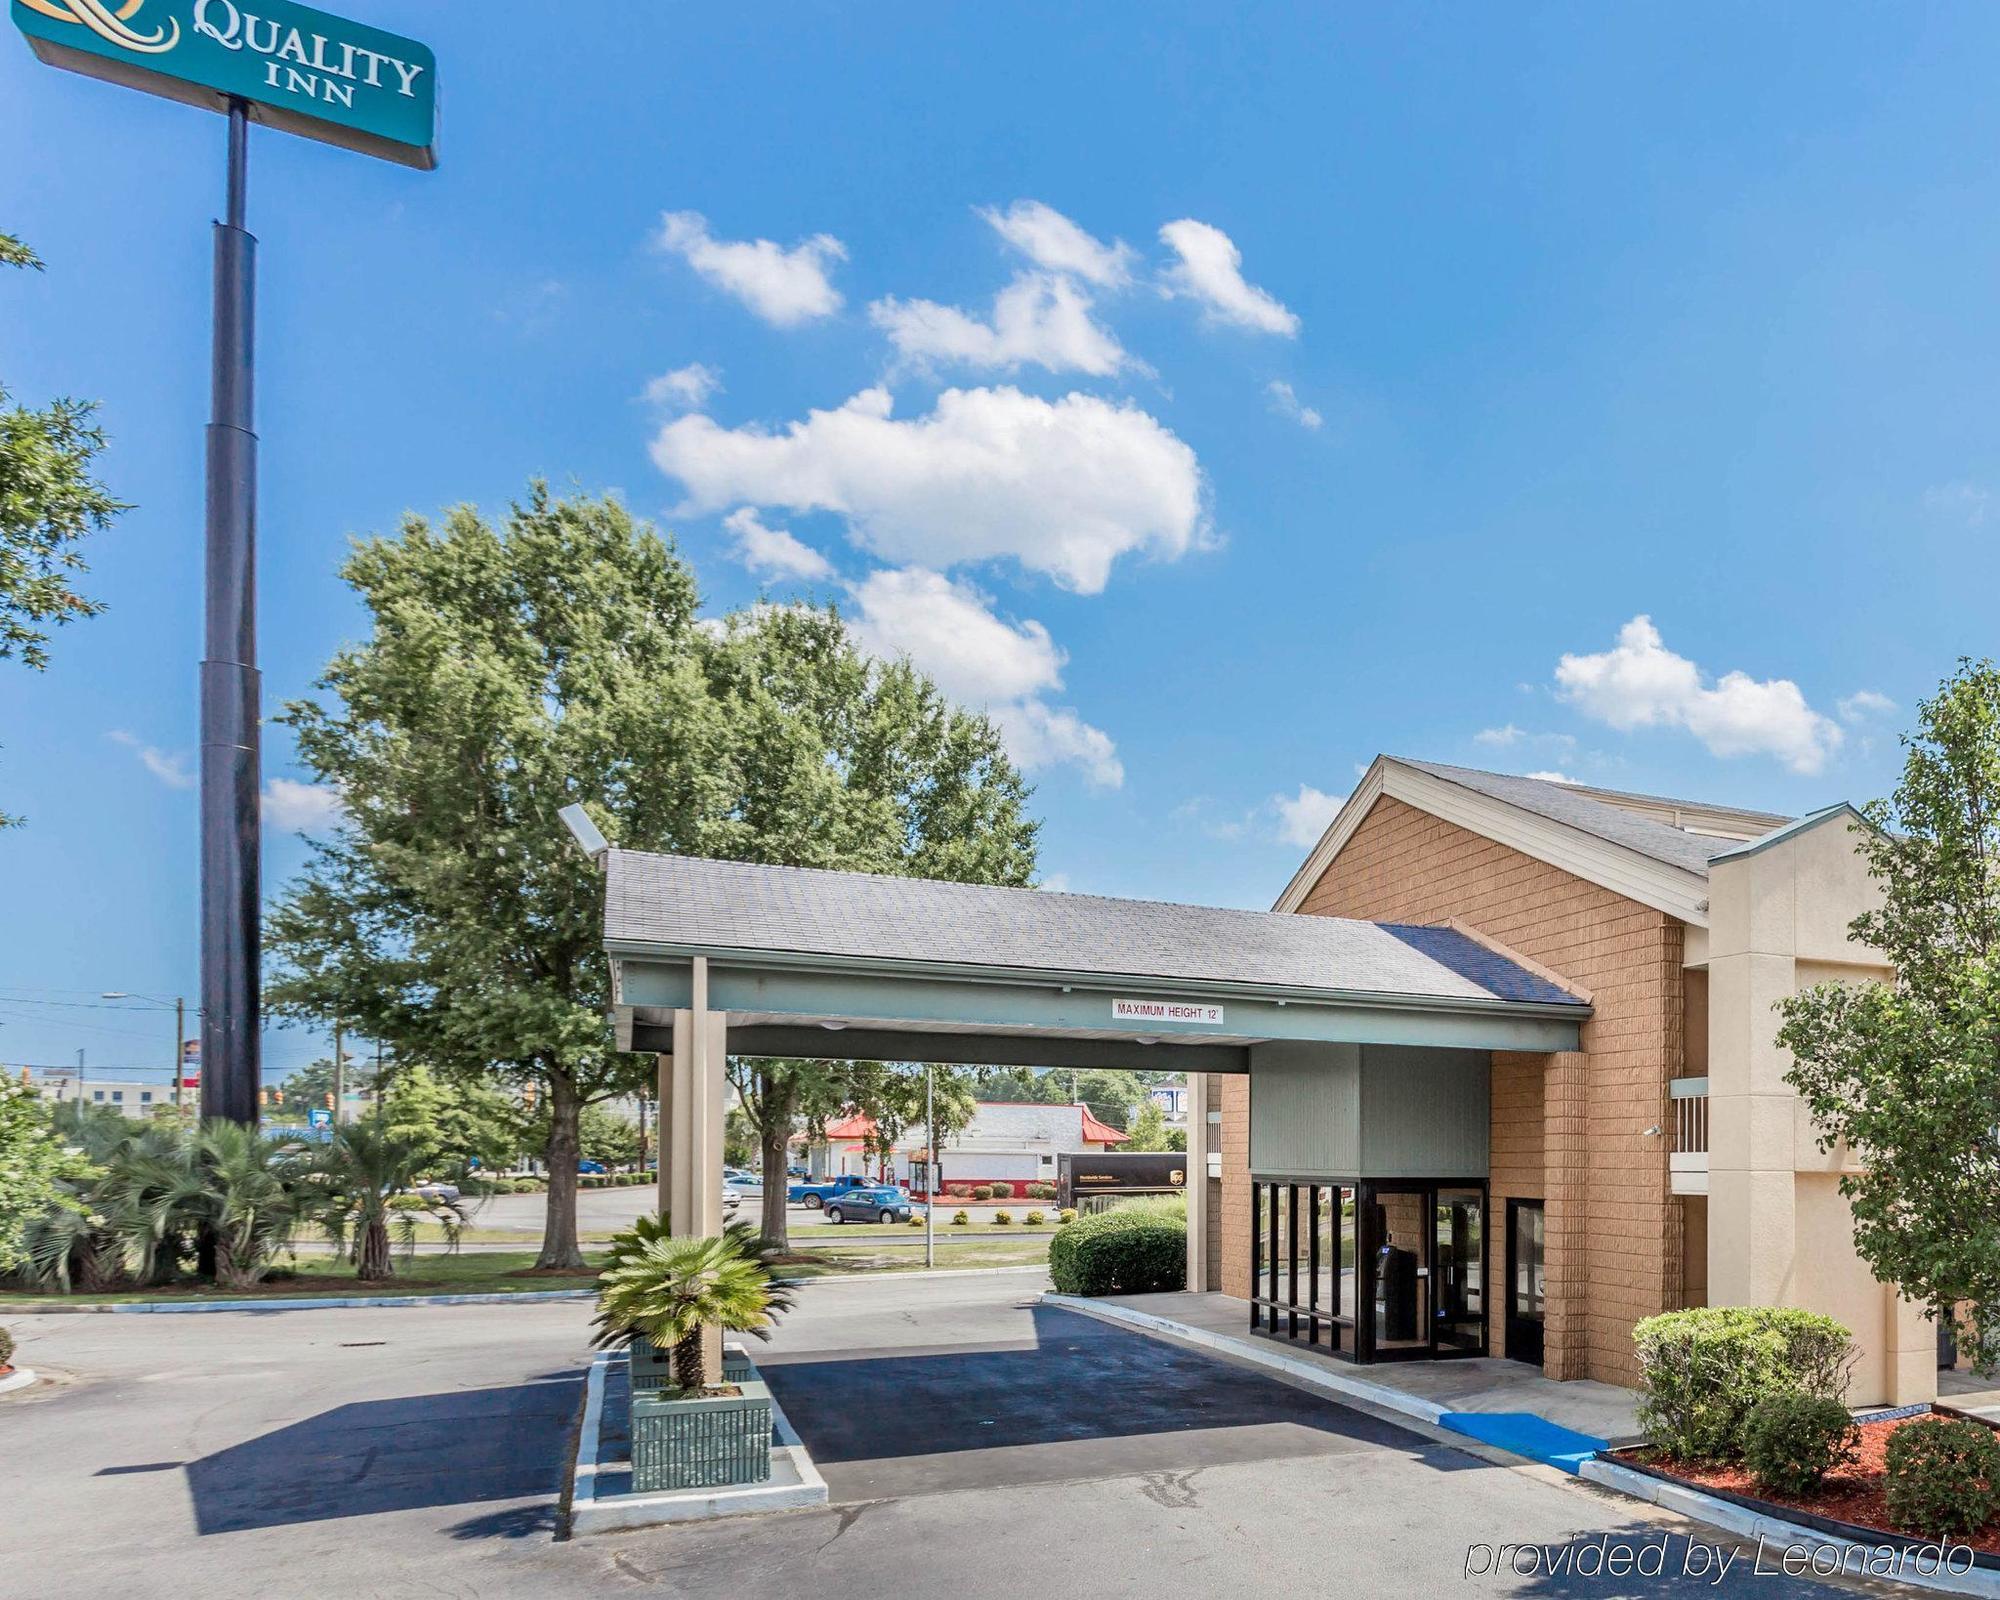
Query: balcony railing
[{"x": 1688, "y": 1160}]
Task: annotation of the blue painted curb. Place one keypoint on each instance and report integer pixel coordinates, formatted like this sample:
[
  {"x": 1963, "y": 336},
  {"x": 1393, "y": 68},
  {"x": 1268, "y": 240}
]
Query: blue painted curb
[
  {"x": 276, "y": 1303},
  {"x": 1527, "y": 1434}
]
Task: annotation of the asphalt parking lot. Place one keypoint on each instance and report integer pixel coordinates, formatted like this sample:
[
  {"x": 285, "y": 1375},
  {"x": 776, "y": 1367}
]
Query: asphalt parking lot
[{"x": 974, "y": 1444}]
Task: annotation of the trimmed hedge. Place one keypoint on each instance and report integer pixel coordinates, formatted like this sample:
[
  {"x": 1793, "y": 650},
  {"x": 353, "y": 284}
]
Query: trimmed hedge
[
  {"x": 1119, "y": 1252},
  {"x": 1704, "y": 1370},
  {"x": 1792, "y": 1441},
  {"x": 6, "y": 1348},
  {"x": 1942, "y": 1478}
]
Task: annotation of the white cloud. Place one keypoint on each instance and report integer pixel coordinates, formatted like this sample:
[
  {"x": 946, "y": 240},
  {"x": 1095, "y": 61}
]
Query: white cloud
[
  {"x": 1552, "y": 777},
  {"x": 1640, "y": 683},
  {"x": 1064, "y": 487},
  {"x": 1038, "y": 319},
  {"x": 170, "y": 768},
  {"x": 773, "y": 551},
  {"x": 685, "y": 388},
  {"x": 784, "y": 287},
  {"x": 1041, "y": 735},
  {"x": 1500, "y": 736},
  {"x": 1210, "y": 270},
  {"x": 301, "y": 807},
  {"x": 1863, "y": 704},
  {"x": 950, "y": 631},
  {"x": 1056, "y": 883},
  {"x": 1970, "y": 501},
  {"x": 1511, "y": 734},
  {"x": 1285, "y": 401},
  {"x": 1050, "y": 240},
  {"x": 1303, "y": 817}
]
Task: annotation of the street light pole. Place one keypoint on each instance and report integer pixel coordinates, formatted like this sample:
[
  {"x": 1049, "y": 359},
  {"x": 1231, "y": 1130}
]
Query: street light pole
[
  {"x": 180, "y": 1048},
  {"x": 230, "y": 690}
]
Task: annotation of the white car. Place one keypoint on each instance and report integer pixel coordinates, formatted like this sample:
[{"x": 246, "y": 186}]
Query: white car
[
  {"x": 744, "y": 1183},
  {"x": 730, "y": 1201}
]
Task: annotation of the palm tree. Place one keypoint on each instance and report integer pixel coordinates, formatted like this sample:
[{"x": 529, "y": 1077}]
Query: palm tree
[
  {"x": 247, "y": 1195},
  {"x": 671, "y": 1290},
  {"x": 363, "y": 1172}
]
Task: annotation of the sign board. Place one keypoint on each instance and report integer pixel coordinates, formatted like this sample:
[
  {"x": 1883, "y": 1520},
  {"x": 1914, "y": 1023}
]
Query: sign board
[
  {"x": 191, "y": 1063},
  {"x": 319, "y": 1117},
  {"x": 301, "y": 70},
  {"x": 1194, "y": 1011},
  {"x": 1115, "y": 1172}
]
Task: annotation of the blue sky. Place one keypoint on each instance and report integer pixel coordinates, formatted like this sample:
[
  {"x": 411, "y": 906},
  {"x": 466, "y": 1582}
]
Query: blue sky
[{"x": 1220, "y": 398}]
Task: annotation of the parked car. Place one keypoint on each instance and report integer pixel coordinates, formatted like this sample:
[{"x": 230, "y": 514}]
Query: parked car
[
  {"x": 590, "y": 1166},
  {"x": 819, "y": 1192},
  {"x": 730, "y": 1201},
  {"x": 869, "y": 1205},
  {"x": 433, "y": 1191},
  {"x": 746, "y": 1183}
]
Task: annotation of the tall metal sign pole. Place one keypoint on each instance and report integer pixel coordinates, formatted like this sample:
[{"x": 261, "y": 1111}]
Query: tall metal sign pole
[
  {"x": 231, "y": 766},
  {"x": 326, "y": 78}
]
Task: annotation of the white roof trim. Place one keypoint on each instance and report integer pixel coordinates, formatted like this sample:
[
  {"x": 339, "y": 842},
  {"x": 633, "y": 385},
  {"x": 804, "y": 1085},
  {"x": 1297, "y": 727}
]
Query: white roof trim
[{"x": 1674, "y": 890}]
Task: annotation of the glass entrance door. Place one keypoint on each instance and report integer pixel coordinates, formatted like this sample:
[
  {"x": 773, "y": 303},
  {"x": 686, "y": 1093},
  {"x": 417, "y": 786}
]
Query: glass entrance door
[
  {"x": 1526, "y": 1280},
  {"x": 1400, "y": 1308},
  {"x": 1458, "y": 1281}
]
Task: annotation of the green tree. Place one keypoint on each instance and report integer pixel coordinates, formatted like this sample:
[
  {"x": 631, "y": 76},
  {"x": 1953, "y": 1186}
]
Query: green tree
[
  {"x": 603, "y": 1135},
  {"x": 49, "y": 503},
  {"x": 1908, "y": 1074},
  {"x": 512, "y": 670},
  {"x": 365, "y": 1168},
  {"x": 1148, "y": 1129},
  {"x": 310, "y": 1085},
  {"x": 33, "y": 1165},
  {"x": 451, "y": 1123}
]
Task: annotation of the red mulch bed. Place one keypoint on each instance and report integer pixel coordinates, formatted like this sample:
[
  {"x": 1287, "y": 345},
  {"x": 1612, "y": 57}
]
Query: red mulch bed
[{"x": 1853, "y": 1494}]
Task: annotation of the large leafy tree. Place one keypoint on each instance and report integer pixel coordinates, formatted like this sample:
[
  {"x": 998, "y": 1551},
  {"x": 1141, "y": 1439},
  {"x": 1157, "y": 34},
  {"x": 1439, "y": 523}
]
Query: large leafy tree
[
  {"x": 1908, "y": 1074},
  {"x": 49, "y": 502},
  {"x": 33, "y": 1166},
  {"x": 555, "y": 658},
  {"x": 450, "y": 1123}
]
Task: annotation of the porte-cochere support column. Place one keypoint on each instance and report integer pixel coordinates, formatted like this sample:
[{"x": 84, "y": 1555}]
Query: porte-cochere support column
[
  {"x": 691, "y": 1092},
  {"x": 1566, "y": 1155}
]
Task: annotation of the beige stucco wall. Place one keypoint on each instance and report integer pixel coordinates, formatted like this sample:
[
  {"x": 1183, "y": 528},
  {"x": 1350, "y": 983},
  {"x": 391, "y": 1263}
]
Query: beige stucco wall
[{"x": 1779, "y": 1231}]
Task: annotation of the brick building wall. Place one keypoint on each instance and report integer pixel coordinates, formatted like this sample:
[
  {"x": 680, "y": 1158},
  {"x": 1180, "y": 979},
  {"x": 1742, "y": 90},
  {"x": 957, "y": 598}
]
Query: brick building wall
[{"x": 1577, "y": 1126}]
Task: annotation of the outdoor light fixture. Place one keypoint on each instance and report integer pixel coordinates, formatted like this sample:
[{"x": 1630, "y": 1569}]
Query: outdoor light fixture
[
  {"x": 1149, "y": 1038},
  {"x": 833, "y": 1027},
  {"x": 592, "y": 843},
  {"x": 1652, "y": 1133}
]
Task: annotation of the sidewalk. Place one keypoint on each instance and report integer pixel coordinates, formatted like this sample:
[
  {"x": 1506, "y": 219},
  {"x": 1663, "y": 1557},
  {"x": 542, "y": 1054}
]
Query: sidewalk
[{"x": 1502, "y": 1403}]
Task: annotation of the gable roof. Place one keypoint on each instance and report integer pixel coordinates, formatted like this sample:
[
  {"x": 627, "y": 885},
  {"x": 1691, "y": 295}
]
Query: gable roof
[
  {"x": 1100, "y": 1132},
  {"x": 1638, "y": 845},
  {"x": 672, "y": 905},
  {"x": 1590, "y": 812}
]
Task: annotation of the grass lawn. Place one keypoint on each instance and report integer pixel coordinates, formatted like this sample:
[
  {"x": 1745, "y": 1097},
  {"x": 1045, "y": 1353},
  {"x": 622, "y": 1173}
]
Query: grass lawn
[
  {"x": 319, "y": 1277},
  {"x": 512, "y": 1272}
]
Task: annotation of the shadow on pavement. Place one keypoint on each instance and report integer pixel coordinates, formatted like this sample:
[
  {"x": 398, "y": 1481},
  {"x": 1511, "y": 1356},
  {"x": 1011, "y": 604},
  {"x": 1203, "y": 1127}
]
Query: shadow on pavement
[
  {"x": 1079, "y": 1383},
  {"x": 466, "y": 1448}
]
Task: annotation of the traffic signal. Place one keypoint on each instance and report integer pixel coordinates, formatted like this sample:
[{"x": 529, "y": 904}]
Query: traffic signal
[
  {"x": 263, "y": 1097},
  {"x": 277, "y": 1097},
  {"x": 329, "y": 1099}
]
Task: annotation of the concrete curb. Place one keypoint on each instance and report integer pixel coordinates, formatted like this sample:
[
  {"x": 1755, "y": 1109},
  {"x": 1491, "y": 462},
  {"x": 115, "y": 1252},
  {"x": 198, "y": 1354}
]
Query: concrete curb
[
  {"x": 19, "y": 1378},
  {"x": 796, "y": 1483},
  {"x": 289, "y": 1303},
  {"x": 1306, "y": 1373},
  {"x": 1777, "y": 1533}
]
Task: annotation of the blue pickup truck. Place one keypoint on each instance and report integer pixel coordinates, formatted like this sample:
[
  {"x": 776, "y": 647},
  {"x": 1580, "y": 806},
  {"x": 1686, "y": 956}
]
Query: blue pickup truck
[{"x": 815, "y": 1192}]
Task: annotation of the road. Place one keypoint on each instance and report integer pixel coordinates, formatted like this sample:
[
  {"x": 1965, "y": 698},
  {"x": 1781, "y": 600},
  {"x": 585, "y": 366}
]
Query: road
[{"x": 974, "y": 1445}]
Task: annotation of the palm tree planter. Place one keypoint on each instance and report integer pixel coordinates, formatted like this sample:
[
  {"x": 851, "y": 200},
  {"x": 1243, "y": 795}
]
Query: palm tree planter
[
  {"x": 701, "y": 1440},
  {"x": 653, "y": 1366}
]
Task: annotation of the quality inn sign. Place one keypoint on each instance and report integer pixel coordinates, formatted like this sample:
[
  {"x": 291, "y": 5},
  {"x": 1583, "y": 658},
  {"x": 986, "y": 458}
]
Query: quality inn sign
[{"x": 300, "y": 69}]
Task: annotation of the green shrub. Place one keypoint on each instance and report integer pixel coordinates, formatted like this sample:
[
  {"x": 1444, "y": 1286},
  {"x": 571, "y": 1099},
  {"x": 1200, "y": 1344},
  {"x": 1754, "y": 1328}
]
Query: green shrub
[
  {"x": 1036, "y": 1219},
  {"x": 1942, "y": 1478},
  {"x": 916, "y": 1222},
  {"x": 6, "y": 1348},
  {"x": 1067, "y": 1214},
  {"x": 1040, "y": 1191},
  {"x": 1792, "y": 1441},
  {"x": 1002, "y": 1218},
  {"x": 959, "y": 1219},
  {"x": 983, "y": 1191},
  {"x": 1123, "y": 1251},
  {"x": 1703, "y": 1370}
]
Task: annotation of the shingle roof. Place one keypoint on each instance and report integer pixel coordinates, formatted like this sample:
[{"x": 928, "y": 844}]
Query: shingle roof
[
  {"x": 1562, "y": 803},
  {"x": 685, "y": 902}
]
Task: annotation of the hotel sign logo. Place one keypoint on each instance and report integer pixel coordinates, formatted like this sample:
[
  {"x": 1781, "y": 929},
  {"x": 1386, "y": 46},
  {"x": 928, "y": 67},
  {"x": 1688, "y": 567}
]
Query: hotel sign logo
[
  {"x": 301, "y": 70},
  {"x": 1197, "y": 1012}
]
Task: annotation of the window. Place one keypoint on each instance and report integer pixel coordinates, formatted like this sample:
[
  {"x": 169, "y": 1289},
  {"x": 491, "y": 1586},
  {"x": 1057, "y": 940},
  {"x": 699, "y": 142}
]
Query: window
[
  {"x": 145, "y": 1097},
  {"x": 1302, "y": 1265},
  {"x": 117, "y": 1096},
  {"x": 97, "y": 1094}
]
